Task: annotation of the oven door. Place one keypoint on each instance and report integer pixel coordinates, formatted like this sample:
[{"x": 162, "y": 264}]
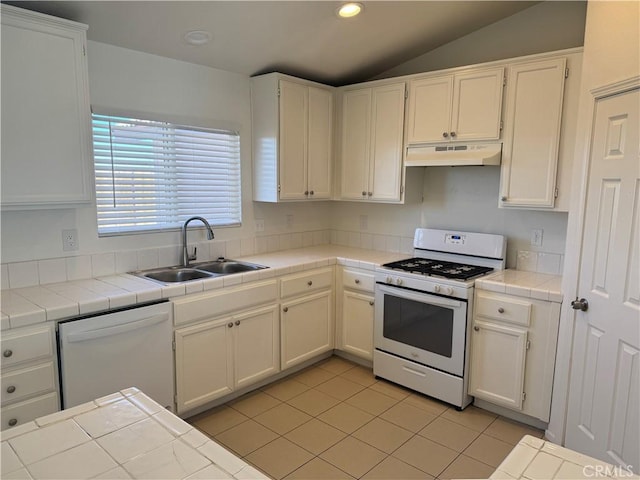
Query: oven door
[{"x": 421, "y": 327}]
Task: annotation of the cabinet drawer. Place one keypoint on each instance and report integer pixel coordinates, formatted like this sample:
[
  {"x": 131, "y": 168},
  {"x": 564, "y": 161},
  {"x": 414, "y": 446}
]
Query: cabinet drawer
[
  {"x": 357, "y": 280},
  {"x": 503, "y": 308},
  {"x": 305, "y": 282},
  {"x": 26, "y": 345},
  {"x": 28, "y": 410},
  {"x": 26, "y": 382},
  {"x": 215, "y": 304}
]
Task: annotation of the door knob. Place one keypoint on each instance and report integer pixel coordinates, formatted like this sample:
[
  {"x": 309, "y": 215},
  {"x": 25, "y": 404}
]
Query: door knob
[
  {"x": 357, "y": 280},
  {"x": 500, "y": 310},
  {"x": 581, "y": 304},
  {"x": 476, "y": 328},
  {"x": 11, "y": 389},
  {"x": 311, "y": 192},
  {"x": 503, "y": 198},
  {"x": 13, "y": 422},
  {"x": 237, "y": 322},
  {"x": 453, "y": 134},
  {"x": 7, "y": 353},
  {"x": 371, "y": 303},
  {"x": 364, "y": 194},
  {"x": 230, "y": 324},
  {"x": 445, "y": 134},
  {"x": 285, "y": 309},
  {"x": 309, "y": 283}
]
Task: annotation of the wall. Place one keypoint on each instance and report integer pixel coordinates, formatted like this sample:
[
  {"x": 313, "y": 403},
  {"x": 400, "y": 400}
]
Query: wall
[
  {"x": 547, "y": 26},
  {"x": 611, "y": 54}
]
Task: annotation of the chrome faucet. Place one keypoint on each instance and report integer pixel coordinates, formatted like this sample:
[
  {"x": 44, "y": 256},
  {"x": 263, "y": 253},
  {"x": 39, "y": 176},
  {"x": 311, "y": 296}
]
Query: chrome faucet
[{"x": 186, "y": 258}]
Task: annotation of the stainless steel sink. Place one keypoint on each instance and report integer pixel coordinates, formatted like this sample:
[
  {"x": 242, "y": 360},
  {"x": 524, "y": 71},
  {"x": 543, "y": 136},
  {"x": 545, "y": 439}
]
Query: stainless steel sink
[
  {"x": 227, "y": 267},
  {"x": 197, "y": 271}
]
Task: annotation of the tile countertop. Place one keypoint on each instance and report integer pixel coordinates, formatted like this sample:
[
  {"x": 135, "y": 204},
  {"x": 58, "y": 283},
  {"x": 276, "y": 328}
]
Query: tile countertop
[
  {"x": 123, "y": 435},
  {"x": 32, "y": 305},
  {"x": 536, "y": 459},
  {"x": 540, "y": 286}
]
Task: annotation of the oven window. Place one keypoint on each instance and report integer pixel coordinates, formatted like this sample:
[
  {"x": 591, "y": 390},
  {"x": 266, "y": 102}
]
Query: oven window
[{"x": 421, "y": 325}]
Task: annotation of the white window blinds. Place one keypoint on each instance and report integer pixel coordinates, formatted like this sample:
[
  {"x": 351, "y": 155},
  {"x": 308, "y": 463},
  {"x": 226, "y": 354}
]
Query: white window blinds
[{"x": 154, "y": 175}]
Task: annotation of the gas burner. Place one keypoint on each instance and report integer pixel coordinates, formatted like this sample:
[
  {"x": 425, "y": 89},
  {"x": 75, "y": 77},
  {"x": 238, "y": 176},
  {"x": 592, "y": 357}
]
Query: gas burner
[{"x": 438, "y": 268}]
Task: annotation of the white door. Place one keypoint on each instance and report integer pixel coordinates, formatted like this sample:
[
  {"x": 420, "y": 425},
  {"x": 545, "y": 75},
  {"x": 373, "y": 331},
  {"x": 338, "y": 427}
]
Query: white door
[
  {"x": 603, "y": 415},
  {"x": 319, "y": 147},
  {"x": 294, "y": 107},
  {"x": 429, "y": 109},
  {"x": 357, "y": 324},
  {"x": 356, "y": 138}
]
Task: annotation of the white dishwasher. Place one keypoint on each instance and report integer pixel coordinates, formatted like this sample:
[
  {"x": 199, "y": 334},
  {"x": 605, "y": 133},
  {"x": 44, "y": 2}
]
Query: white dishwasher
[{"x": 104, "y": 353}]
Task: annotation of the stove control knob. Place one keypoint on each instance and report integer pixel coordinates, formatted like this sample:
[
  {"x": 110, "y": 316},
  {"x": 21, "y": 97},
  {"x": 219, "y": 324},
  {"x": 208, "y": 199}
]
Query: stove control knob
[
  {"x": 389, "y": 280},
  {"x": 398, "y": 281},
  {"x": 449, "y": 291},
  {"x": 436, "y": 288}
]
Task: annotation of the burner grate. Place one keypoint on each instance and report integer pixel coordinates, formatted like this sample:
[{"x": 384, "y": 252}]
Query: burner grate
[{"x": 439, "y": 268}]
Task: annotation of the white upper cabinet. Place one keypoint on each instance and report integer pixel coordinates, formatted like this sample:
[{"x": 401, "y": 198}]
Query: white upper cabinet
[
  {"x": 46, "y": 124},
  {"x": 292, "y": 139},
  {"x": 371, "y": 143},
  {"x": 456, "y": 107},
  {"x": 534, "y": 107}
]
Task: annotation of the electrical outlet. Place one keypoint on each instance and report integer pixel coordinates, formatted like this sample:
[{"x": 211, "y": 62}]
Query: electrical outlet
[
  {"x": 260, "y": 225},
  {"x": 536, "y": 237},
  {"x": 289, "y": 218},
  {"x": 364, "y": 222},
  {"x": 69, "y": 240}
]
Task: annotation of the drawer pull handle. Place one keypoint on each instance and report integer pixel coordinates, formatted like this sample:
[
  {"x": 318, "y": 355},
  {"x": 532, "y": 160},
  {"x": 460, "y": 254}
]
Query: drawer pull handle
[
  {"x": 476, "y": 328},
  {"x": 7, "y": 353},
  {"x": 357, "y": 280},
  {"x": 237, "y": 322},
  {"x": 501, "y": 310},
  {"x": 309, "y": 283},
  {"x": 11, "y": 389},
  {"x": 371, "y": 303},
  {"x": 13, "y": 422},
  {"x": 285, "y": 309},
  {"x": 230, "y": 324}
]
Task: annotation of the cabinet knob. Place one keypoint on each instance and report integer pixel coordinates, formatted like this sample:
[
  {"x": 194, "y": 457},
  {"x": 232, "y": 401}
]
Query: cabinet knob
[
  {"x": 309, "y": 283},
  {"x": 11, "y": 389},
  {"x": 445, "y": 134},
  {"x": 370, "y": 194},
  {"x": 357, "y": 280},
  {"x": 371, "y": 303},
  {"x": 364, "y": 194},
  {"x": 13, "y": 422},
  {"x": 285, "y": 309},
  {"x": 500, "y": 310},
  {"x": 230, "y": 324},
  {"x": 237, "y": 322},
  {"x": 311, "y": 192},
  {"x": 476, "y": 328},
  {"x": 453, "y": 134},
  {"x": 306, "y": 192},
  {"x": 503, "y": 198},
  {"x": 7, "y": 353}
]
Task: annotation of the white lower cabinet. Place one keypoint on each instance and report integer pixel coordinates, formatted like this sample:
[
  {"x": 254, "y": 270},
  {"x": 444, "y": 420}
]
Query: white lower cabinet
[
  {"x": 513, "y": 351},
  {"x": 354, "y": 312}
]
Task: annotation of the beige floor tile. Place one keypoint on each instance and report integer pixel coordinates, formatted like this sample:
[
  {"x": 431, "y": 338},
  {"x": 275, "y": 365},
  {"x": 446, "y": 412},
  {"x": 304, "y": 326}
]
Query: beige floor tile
[
  {"x": 336, "y": 365},
  {"x": 465, "y": 467},
  {"x": 450, "y": 434},
  {"x": 279, "y": 458},
  {"x": 313, "y": 402},
  {"x": 362, "y": 375},
  {"x": 285, "y": 389},
  {"x": 218, "y": 420},
  {"x": 340, "y": 388},
  {"x": 318, "y": 469},
  {"x": 254, "y": 403},
  {"x": 510, "y": 431},
  {"x": 393, "y": 469},
  {"x": 409, "y": 417},
  {"x": 315, "y": 436},
  {"x": 471, "y": 417},
  {"x": 383, "y": 435},
  {"x": 390, "y": 389},
  {"x": 353, "y": 456},
  {"x": 282, "y": 419},
  {"x": 345, "y": 417},
  {"x": 488, "y": 450},
  {"x": 426, "y": 455},
  {"x": 371, "y": 401},
  {"x": 429, "y": 404},
  {"x": 246, "y": 437},
  {"x": 313, "y": 376}
]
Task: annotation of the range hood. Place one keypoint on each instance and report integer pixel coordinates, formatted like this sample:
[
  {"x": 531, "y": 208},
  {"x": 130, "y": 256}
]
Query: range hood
[{"x": 453, "y": 155}]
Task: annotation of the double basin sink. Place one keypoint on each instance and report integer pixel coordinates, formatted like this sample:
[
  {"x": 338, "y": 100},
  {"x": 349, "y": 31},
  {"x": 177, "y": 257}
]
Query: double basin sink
[{"x": 198, "y": 271}]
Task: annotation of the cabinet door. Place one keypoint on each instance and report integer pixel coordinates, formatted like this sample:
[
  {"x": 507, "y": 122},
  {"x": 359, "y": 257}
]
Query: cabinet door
[
  {"x": 320, "y": 145},
  {"x": 46, "y": 151},
  {"x": 203, "y": 363},
  {"x": 306, "y": 328},
  {"x": 357, "y": 324},
  {"x": 356, "y": 138},
  {"x": 294, "y": 110},
  {"x": 387, "y": 116},
  {"x": 477, "y": 105},
  {"x": 497, "y": 364},
  {"x": 256, "y": 340},
  {"x": 533, "y": 115},
  {"x": 430, "y": 109}
]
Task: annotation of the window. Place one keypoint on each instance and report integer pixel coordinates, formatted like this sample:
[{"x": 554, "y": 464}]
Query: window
[{"x": 153, "y": 175}]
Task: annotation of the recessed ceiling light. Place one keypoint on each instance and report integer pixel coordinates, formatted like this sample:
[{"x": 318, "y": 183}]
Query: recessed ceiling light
[
  {"x": 349, "y": 10},
  {"x": 197, "y": 37}
]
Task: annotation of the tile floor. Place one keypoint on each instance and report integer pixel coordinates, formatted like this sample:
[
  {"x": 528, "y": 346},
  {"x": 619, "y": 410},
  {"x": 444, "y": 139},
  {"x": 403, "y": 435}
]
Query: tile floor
[{"x": 334, "y": 420}]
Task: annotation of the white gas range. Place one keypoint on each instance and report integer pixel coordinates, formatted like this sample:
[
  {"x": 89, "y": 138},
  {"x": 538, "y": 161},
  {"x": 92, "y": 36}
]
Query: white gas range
[{"x": 423, "y": 310}]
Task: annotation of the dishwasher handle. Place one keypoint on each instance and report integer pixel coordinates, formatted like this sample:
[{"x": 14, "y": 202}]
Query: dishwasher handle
[{"x": 118, "y": 329}]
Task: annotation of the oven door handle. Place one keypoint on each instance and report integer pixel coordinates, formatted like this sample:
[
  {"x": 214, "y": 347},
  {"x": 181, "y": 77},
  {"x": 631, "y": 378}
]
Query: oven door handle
[{"x": 423, "y": 297}]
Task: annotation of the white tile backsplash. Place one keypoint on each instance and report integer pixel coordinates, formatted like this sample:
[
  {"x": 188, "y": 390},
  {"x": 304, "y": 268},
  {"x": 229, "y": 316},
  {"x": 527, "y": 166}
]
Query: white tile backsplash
[
  {"x": 4, "y": 276},
  {"x": 78, "y": 268},
  {"x": 354, "y": 239},
  {"x": 540, "y": 262},
  {"x": 23, "y": 274},
  {"x": 148, "y": 258},
  {"x": 217, "y": 248},
  {"x": 233, "y": 249},
  {"x": 366, "y": 241},
  {"x": 248, "y": 246},
  {"x": 549, "y": 263},
  {"x": 379, "y": 242},
  {"x": 296, "y": 240},
  {"x": 52, "y": 271},
  {"x": 170, "y": 256},
  {"x": 392, "y": 244},
  {"x": 103, "y": 264},
  {"x": 126, "y": 261},
  {"x": 308, "y": 239},
  {"x": 285, "y": 241}
]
